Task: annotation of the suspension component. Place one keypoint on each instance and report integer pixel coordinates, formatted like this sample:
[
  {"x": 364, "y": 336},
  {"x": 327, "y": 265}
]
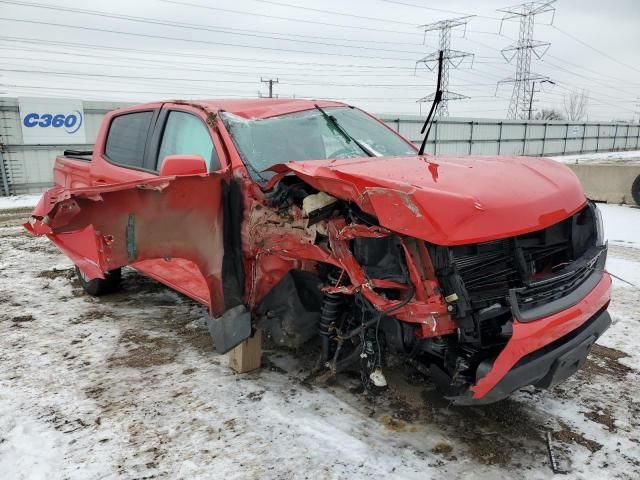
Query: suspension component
[
  {"x": 373, "y": 380},
  {"x": 329, "y": 314}
]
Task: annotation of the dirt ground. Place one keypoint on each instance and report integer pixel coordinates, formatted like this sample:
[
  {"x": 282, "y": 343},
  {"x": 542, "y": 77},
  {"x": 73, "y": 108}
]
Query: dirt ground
[{"x": 127, "y": 386}]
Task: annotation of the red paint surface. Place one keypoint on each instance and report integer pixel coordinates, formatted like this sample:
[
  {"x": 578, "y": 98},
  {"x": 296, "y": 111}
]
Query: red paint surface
[
  {"x": 175, "y": 218},
  {"x": 182, "y": 275},
  {"x": 532, "y": 336},
  {"x": 252, "y": 108},
  {"x": 472, "y": 199},
  {"x": 183, "y": 165}
]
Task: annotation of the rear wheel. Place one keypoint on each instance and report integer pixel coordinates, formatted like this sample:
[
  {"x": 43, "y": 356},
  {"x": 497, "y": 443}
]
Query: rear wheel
[
  {"x": 100, "y": 286},
  {"x": 635, "y": 190}
]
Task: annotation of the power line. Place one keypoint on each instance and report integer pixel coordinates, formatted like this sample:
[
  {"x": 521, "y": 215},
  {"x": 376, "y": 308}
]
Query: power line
[
  {"x": 182, "y": 54},
  {"x": 604, "y": 54},
  {"x": 624, "y": 84},
  {"x": 604, "y": 77},
  {"x": 475, "y": 42},
  {"x": 191, "y": 40},
  {"x": 74, "y": 89},
  {"x": 564, "y": 61},
  {"x": 249, "y": 74},
  {"x": 299, "y": 20},
  {"x": 192, "y": 26},
  {"x": 436, "y": 9},
  {"x": 163, "y": 66},
  {"x": 607, "y": 85},
  {"x": 293, "y": 82},
  {"x": 153, "y": 52},
  {"x": 191, "y": 55},
  {"x": 243, "y": 94},
  {"x": 606, "y": 99},
  {"x": 601, "y": 101},
  {"x": 276, "y": 70},
  {"x": 333, "y": 12},
  {"x": 105, "y": 75}
]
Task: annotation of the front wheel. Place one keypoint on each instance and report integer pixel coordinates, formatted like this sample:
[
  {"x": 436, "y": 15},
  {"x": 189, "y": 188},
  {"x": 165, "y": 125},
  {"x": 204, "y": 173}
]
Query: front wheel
[{"x": 100, "y": 286}]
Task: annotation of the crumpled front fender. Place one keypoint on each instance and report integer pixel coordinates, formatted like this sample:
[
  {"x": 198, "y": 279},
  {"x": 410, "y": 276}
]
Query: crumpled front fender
[{"x": 449, "y": 200}]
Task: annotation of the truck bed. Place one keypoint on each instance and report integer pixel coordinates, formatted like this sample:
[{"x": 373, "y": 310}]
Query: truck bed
[{"x": 71, "y": 169}]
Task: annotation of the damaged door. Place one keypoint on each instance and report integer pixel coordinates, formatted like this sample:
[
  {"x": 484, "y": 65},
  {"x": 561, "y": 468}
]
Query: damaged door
[
  {"x": 180, "y": 131},
  {"x": 154, "y": 220}
]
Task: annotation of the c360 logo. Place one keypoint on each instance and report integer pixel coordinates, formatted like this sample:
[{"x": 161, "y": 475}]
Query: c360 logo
[{"x": 71, "y": 122}]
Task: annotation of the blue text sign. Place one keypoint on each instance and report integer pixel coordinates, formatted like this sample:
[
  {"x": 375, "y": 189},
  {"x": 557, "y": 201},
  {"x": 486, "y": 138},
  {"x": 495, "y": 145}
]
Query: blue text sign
[{"x": 46, "y": 121}]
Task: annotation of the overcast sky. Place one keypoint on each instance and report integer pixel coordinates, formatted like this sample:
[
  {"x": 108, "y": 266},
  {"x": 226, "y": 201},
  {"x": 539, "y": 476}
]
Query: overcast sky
[{"x": 154, "y": 49}]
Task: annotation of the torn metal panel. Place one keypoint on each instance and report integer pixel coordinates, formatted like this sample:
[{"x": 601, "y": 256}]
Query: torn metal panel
[
  {"x": 280, "y": 241},
  {"x": 104, "y": 228},
  {"x": 431, "y": 312},
  {"x": 349, "y": 232}
]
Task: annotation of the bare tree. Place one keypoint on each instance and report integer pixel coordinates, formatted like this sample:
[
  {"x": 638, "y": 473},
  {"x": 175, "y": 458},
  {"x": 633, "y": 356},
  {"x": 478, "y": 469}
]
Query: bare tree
[
  {"x": 549, "y": 114},
  {"x": 575, "y": 105}
]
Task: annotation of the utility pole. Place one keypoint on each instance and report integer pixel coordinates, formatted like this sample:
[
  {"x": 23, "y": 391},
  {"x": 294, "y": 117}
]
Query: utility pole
[
  {"x": 533, "y": 90},
  {"x": 522, "y": 50},
  {"x": 451, "y": 58},
  {"x": 270, "y": 81}
]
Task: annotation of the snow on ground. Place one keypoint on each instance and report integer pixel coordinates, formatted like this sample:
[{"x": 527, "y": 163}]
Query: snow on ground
[
  {"x": 127, "y": 386},
  {"x": 627, "y": 157},
  {"x": 622, "y": 230},
  {"x": 621, "y": 224},
  {"x": 19, "y": 201},
  {"x": 624, "y": 264},
  {"x": 20, "y": 433}
]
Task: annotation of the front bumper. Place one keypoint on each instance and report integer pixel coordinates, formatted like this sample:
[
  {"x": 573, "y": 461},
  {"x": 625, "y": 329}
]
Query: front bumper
[{"x": 544, "y": 352}]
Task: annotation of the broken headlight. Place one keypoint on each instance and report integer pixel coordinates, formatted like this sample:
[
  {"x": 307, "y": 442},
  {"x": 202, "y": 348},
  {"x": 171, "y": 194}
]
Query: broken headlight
[{"x": 597, "y": 215}]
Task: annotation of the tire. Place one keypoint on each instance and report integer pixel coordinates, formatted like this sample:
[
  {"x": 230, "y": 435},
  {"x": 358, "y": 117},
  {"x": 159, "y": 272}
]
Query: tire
[
  {"x": 635, "y": 190},
  {"x": 100, "y": 286}
]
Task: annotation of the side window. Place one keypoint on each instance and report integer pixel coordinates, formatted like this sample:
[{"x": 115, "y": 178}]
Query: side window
[
  {"x": 185, "y": 134},
  {"x": 127, "y": 138}
]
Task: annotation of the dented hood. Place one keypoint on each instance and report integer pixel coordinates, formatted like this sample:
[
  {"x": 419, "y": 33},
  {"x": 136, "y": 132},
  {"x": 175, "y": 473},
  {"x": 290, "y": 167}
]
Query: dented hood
[{"x": 450, "y": 200}]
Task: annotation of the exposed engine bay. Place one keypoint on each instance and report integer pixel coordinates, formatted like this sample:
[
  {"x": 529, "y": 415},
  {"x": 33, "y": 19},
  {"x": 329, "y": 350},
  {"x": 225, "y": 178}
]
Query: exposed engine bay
[{"x": 366, "y": 294}]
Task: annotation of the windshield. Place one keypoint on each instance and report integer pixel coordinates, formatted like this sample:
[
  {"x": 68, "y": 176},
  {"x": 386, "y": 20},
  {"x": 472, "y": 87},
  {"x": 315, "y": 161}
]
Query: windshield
[{"x": 309, "y": 135}]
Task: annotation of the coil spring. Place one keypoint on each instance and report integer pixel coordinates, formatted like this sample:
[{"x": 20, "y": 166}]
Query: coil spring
[
  {"x": 329, "y": 312},
  {"x": 328, "y": 317}
]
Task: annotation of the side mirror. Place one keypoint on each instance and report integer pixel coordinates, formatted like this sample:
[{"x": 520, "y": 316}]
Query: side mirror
[{"x": 182, "y": 165}]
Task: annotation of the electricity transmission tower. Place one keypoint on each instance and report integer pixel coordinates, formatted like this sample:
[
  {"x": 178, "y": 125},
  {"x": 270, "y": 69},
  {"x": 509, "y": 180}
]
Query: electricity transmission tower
[
  {"x": 451, "y": 58},
  {"x": 270, "y": 82},
  {"x": 522, "y": 50}
]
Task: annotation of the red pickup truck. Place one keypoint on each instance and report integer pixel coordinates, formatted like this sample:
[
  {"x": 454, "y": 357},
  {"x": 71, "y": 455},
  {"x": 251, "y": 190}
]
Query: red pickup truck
[{"x": 319, "y": 225}]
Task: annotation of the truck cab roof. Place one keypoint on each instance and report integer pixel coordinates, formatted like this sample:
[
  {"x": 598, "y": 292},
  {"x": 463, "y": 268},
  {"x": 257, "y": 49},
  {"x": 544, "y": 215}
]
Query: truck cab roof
[{"x": 253, "y": 108}]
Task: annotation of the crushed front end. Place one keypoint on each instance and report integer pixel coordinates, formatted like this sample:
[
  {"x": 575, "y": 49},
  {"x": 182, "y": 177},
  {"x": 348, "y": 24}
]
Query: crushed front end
[
  {"x": 480, "y": 319},
  {"x": 528, "y": 308}
]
